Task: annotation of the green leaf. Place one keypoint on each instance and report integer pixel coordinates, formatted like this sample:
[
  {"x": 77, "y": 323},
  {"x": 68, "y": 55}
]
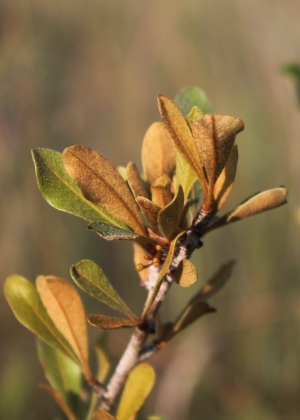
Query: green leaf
[
  {"x": 189, "y": 97},
  {"x": 90, "y": 278},
  {"x": 62, "y": 193},
  {"x": 27, "y": 306},
  {"x": 138, "y": 386},
  {"x": 61, "y": 372},
  {"x": 185, "y": 175},
  {"x": 105, "y": 322},
  {"x": 112, "y": 233},
  {"x": 293, "y": 71}
]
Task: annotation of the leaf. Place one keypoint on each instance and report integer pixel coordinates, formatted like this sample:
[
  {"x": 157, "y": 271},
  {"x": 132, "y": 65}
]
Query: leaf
[
  {"x": 293, "y": 71},
  {"x": 150, "y": 211},
  {"x": 185, "y": 175},
  {"x": 163, "y": 271},
  {"x": 189, "y": 97},
  {"x": 27, "y": 306},
  {"x": 266, "y": 200},
  {"x": 214, "y": 138},
  {"x": 112, "y": 233},
  {"x": 103, "y": 415},
  {"x": 226, "y": 179},
  {"x": 219, "y": 279},
  {"x": 102, "y": 184},
  {"x": 90, "y": 278},
  {"x": 181, "y": 135},
  {"x": 158, "y": 153},
  {"x": 64, "y": 307},
  {"x": 60, "y": 401},
  {"x": 191, "y": 313},
  {"x": 61, "y": 372},
  {"x": 135, "y": 181},
  {"x": 185, "y": 274},
  {"x": 169, "y": 217},
  {"x": 194, "y": 115},
  {"x": 62, "y": 193},
  {"x": 137, "y": 388},
  {"x": 138, "y": 258},
  {"x": 161, "y": 191},
  {"x": 105, "y": 322},
  {"x": 104, "y": 364}
]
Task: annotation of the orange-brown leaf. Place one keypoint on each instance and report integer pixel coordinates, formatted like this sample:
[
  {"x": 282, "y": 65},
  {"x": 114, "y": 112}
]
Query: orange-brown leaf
[
  {"x": 150, "y": 211},
  {"x": 102, "y": 184},
  {"x": 65, "y": 308},
  {"x": 161, "y": 191},
  {"x": 135, "y": 181},
  {"x": 105, "y": 322}
]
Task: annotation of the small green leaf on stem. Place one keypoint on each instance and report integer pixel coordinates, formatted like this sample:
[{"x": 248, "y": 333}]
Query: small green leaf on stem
[
  {"x": 90, "y": 278},
  {"x": 137, "y": 388},
  {"x": 185, "y": 175}
]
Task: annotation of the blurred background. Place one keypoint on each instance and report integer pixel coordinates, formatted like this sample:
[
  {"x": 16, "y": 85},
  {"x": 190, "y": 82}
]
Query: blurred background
[{"x": 88, "y": 71}]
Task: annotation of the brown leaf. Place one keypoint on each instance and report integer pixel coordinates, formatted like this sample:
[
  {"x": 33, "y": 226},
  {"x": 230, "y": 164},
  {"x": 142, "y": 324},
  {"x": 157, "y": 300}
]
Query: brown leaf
[
  {"x": 105, "y": 322},
  {"x": 103, "y": 415},
  {"x": 158, "y": 153},
  {"x": 185, "y": 274},
  {"x": 150, "y": 211},
  {"x": 226, "y": 179},
  {"x": 218, "y": 280},
  {"x": 192, "y": 312},
  {"x": 266, "y": 200},
  {"x": 65, "y": 309},
  {"x": 161, "y": 191},
  {"x": 102, "y": 184},
  {"x": 170, "y": 216},
  {"x": 214, "y": 138},
  {"x": 181, "y": 135},
  {"x": 135, "y": 181}
]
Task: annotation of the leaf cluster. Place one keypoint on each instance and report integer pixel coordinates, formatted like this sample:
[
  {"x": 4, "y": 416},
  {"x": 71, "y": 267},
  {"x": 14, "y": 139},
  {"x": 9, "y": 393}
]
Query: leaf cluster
[{"x": 189, "y": 166}]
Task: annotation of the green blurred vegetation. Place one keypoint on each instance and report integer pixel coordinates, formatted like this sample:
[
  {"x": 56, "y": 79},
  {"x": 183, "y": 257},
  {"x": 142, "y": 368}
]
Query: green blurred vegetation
[{"x": 88, "y": 72}]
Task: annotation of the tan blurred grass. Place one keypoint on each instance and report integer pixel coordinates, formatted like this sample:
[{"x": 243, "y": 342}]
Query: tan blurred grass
[{"x": 89, "y": 72}]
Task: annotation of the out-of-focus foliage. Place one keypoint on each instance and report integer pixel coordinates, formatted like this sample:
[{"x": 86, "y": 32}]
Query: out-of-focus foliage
[{"x": 65, "y": 70}]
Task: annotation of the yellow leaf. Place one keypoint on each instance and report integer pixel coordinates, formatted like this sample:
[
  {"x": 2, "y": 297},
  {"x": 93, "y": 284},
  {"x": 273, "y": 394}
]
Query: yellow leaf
[
  {"x": 102, "y": 184},
  {"x": 158, "y": 153},
  {"x": 185, "y": 274},
  {"x": 65, "y": 309},
  {"x": 138, "y": 386}
]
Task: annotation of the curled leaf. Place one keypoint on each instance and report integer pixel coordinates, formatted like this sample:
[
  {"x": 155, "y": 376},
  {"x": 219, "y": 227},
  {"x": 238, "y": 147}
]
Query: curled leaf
[
  {"x": 158, "y": 153},
  {"x": 137, "y": 387},
  {"x": 150, "y": 211},
  {"x": 64, "y": 307},
  {"x": 105, "y": 322},
  {"x": 170, "y": 216},
  {"x": 135, "y": 181},
  {"x": 102, "y": 184}
]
